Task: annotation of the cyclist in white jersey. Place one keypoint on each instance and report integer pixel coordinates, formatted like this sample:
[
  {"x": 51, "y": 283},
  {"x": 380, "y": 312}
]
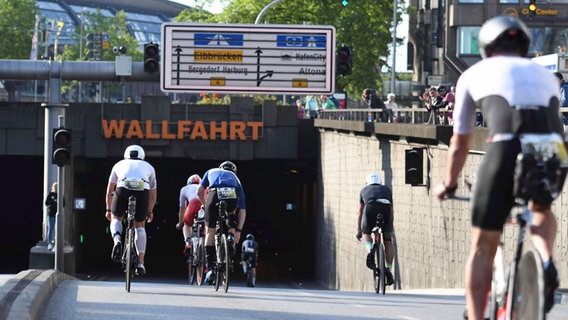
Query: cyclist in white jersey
[
  {"x": 131, "y": 176},
  {"x": 517, "y": 97},
  {"x": 186, "y": 194}
]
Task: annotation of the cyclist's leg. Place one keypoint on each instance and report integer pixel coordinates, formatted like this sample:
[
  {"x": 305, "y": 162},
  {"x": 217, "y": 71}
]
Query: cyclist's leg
[
  {"x": 140, "y": 239},
  {"x": 543, "y": 235},
  {"x": 478, "y": 270},
  {"x": 210, "y": 219},
  {"x": 118, "y": 208}
]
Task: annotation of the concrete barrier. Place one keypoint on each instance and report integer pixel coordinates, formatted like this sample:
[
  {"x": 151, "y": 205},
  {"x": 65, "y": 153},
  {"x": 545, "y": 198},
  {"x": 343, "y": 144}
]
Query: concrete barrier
[{"x": 26, "y": 295}]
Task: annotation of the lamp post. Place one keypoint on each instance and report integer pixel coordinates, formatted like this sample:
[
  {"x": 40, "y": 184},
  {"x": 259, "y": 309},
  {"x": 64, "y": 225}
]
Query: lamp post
[
  {"x": 393, "y": 69},
  {"x": 80, "y": 95}
]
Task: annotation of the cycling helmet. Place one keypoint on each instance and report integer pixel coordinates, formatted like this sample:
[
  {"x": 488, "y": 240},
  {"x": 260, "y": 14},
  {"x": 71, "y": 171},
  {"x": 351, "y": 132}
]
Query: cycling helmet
[
  {"x": 194, "y": 179},
  {"x": 228, "y": 165},
  {"x": 134, "y": 152},
  {"x": 504, "y": 34},
  {"x": 250, "y": 237},
  {"x": 373, "y": 178}
]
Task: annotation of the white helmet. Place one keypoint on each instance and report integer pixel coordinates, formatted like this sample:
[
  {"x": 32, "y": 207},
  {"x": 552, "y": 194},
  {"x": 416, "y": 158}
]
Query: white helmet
[
  {"x": 373, "y": 178},
  {"x": 194, "y": 179},
  {"x": 134, "y": 152}
]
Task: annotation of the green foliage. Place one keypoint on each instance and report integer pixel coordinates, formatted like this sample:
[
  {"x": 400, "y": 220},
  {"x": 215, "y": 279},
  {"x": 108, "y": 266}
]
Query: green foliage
[
  {"x": 17, "y": 20},
  {"x": 365, "y": 27}
]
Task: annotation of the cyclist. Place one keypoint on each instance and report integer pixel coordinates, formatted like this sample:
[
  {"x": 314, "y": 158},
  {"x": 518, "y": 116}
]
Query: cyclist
[
  {"x": 516, "y": 96},
  {"x": 223, "y": 184},
  {"x": 186, "y": 195},
  {"x": 249, "y": 251},
  {"x": 131, "y": 176},
  {"x": 376, "y": 199}
]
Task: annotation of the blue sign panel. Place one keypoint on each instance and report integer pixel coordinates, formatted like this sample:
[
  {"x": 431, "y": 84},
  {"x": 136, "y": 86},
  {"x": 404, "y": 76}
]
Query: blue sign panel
[
  {"x": 218, "y": 39},
  {"x": 300, "y": 41}
]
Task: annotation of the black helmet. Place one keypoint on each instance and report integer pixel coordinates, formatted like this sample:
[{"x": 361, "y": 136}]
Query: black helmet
[
  {"x": 504, "y": 34},
  {"x": 250, "y": 237},
  {"x": 228, "y": 165}
]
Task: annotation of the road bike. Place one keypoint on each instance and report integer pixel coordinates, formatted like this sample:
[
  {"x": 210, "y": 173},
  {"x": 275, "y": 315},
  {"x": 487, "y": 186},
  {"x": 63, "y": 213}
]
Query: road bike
[
  {"x": 223, "y": 264},
  {"x": 378, "y": 248},
  {"x": 249, "y": 275},
  {"x": 129, "y": 253},
  {"x": 196, "y": 261},
  {"x": 517, "y": 291}
]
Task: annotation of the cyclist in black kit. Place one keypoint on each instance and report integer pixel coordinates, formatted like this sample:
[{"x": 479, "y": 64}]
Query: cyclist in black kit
[
  {"x": 517, "y": 97},
  {"x": 376, "y": 198}
]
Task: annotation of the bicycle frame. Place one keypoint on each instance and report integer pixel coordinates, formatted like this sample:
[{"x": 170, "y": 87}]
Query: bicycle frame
[
  {"x": 223, "y": 259},
  {"x": 379, "y": 275}
]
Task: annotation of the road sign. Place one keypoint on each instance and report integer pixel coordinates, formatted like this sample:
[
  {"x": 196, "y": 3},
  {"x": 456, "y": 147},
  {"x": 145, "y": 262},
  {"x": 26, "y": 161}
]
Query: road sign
[{"x": 247, "y": 58}]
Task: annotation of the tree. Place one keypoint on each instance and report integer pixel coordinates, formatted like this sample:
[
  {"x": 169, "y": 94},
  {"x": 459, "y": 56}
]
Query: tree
[
  {"x": 365, "y": 27},
  {"x": 17, "y": 20},
  {"x": 96, "y": 22}
]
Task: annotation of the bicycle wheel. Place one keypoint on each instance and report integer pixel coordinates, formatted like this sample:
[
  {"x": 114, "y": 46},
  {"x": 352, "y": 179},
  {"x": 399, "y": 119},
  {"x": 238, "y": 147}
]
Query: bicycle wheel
[
  {"x": 129, "y": 255},
  {"x": 199, "y": 263},
  {"x": 528, "y": 288},
  {"x": 382, "y": 268},
  {"x": 227, "y": 264},
  {"x": 376, "y": 271},
  {"x": 220, "y": 262}
]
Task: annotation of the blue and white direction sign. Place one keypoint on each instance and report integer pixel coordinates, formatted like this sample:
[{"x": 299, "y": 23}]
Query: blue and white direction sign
[{"x": 247, "y": 58}]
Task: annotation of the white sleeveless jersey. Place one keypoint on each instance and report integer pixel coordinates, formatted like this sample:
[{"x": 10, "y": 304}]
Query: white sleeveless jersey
[
  {"x": 133, "y": 174},
  {"x": 187, "y": 193},
  {"x": 499, "y": 84}
]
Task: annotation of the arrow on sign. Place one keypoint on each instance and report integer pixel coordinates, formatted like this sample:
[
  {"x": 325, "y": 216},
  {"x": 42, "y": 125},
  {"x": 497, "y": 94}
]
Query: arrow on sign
[
  {"x": 178, "y": 50},
  {"x": 258, "y": 77}
]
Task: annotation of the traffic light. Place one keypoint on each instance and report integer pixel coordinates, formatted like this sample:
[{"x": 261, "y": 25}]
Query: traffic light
[
  {"x": 344, "y": 60},
  {"x": 61, "y": 146},
  {"x": 151, "y": 57},
  {"x": 532, "y": 8},
  {"x": 413, "y": 166}
]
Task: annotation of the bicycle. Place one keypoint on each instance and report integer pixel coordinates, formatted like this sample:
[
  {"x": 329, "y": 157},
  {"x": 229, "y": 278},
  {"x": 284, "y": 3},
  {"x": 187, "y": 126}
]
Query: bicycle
[
  {"x": 129, "y": 253},
  {"x": 223, "y": 264},
  {"x": 378, "y": 248},
  {"x": 518, "y": 291},
  {"x": 196, "y": 262}
]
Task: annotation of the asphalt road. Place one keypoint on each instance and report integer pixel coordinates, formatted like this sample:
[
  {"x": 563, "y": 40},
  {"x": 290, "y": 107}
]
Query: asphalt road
[{"x": 166, "y": 299}]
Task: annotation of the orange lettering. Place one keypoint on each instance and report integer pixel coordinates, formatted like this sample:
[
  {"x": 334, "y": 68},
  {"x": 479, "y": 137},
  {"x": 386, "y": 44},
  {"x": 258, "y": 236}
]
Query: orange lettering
[
  {"x": 255, "y": 125},
  {"x": 149, "y": 133},
  {"x": 113, "y": 128},
  {"x": 134, "y": 129},
  {"x": 238, "y": 129},
  {"x": 183, "y": 128},
  {"x": 165, "y": 129},
  {"x": 222, "y": 129},
  {"x": 199, "y": 131}
]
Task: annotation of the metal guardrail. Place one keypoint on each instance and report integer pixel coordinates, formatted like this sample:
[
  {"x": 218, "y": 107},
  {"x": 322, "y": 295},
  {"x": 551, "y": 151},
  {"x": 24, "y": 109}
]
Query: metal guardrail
[{"x": 397, "y": 115}]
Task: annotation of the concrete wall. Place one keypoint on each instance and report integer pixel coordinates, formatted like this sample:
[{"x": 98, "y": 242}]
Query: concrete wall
[{"x": 433, "y": 239}]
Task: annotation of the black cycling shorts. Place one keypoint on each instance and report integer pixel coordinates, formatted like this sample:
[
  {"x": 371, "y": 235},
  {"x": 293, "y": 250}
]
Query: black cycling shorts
[
  {"x": 493, "y": 190},
  {"x": 212, "y": 211},
  {"x": 249, "y": 255},
  {"x": 120, "y": 203},
  {"x": 369, "y": 218}
]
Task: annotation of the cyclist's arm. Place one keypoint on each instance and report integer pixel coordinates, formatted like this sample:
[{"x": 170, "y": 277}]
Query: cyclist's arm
[
  {"x": 108, "y": 198},
  {"x": 152, "y": 203},
  {"x": 457, "y": 155},
  {"x": 360, "y": 216},
  {"x": 241, "y": 216},
  {"x": 201, "y": 194},
  {"x": 182, "y": 206}
]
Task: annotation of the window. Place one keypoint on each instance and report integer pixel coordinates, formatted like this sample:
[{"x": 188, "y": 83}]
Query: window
[{"x": 468, "y": 40}]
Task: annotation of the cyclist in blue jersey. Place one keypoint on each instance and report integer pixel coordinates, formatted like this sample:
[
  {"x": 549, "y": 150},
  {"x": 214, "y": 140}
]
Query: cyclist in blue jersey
[{"x": 223, "y": 184}]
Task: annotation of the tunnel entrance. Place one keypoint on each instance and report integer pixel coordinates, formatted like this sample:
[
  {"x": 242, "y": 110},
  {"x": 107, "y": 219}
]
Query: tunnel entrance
[{"x": 280, "y": 197}]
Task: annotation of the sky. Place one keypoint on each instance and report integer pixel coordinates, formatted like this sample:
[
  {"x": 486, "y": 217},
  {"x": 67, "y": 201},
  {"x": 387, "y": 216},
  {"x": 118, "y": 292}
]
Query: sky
[{"x": 401, "y": 31}]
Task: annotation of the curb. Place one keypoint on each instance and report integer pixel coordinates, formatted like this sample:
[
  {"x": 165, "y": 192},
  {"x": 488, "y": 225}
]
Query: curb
[{"x": 26, "y": 296}]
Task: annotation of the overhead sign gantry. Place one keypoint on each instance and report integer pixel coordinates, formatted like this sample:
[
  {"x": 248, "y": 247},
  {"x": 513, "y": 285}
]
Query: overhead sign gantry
[{"x": 247, "y": 58}]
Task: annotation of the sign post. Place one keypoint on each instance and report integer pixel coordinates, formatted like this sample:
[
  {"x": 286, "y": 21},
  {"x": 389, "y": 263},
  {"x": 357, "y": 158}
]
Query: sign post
[{"x": 248, "y": 58}]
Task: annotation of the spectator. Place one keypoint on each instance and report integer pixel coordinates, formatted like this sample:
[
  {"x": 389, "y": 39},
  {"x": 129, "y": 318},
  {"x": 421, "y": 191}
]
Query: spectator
[
  {"x": 301, "y": 109},
  {"x": 312, "y": 106},
  {"x": 372, "y": 100},
  {"x": 51, "y": 203},
  {"x": 563, "y": 95},
  {"x": 390, "y": 105},
  {"x": 449, "y": 100},
  {"x": 432, "y": 104}
]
